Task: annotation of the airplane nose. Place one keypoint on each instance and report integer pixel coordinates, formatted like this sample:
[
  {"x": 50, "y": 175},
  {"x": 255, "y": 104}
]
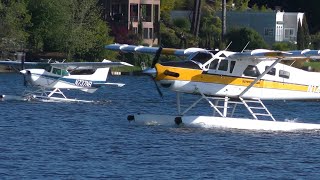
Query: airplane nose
[
  {"x": 23, "y": 71},
  {"x": 150, "y": 71}
]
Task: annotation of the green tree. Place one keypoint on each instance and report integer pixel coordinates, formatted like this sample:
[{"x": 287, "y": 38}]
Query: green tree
[
  {"x": 283, "y": 46},
  {"x": 14, "y": 19},
  {"x": 167, "y": 5},
  {"x": 301, "y": 44},
  {"x": 316, "y": 40},
  {"x": 49, "y": 20},
  {"x": 241, "y": 36},
  {"x": 74, "y": 27},
  {"x": 182, "y": 23},
  {"x": 210, "y": 32}
]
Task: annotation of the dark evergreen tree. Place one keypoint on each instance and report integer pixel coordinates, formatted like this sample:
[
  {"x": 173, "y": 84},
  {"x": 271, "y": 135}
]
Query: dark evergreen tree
[
  {"x": 306, "y": 34},
  {"x": 300, "y": 37}
]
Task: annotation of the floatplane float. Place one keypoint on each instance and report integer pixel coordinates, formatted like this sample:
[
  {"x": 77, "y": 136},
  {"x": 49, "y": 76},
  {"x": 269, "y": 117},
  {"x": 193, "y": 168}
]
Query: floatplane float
[
  {"x": 227, "y": 79},
  {"x": 45, "y": 80}
]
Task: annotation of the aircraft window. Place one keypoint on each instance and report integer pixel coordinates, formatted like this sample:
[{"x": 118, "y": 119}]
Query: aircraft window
[
  {"x": 232, "y": 64},
  {"x": 214, "y": 64},
  {"x": 56, "y": 71},
  {"x": 223, "y": 65},
  {"x": 64, "y": 72},
  {"x": 272, "y": 71},
  {"x": 284, "y": 74},
  {"x": 202, "y": 57},
  {"x": 251, "y": 71}
]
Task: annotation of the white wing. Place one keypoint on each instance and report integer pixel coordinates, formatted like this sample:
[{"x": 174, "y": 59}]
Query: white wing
[
  {"x": 265, "y": 54},
  {"x": 152, "y": 50}
]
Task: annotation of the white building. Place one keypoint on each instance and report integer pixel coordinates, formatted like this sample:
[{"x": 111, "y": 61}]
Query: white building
[{"x": 272, "y": 26}]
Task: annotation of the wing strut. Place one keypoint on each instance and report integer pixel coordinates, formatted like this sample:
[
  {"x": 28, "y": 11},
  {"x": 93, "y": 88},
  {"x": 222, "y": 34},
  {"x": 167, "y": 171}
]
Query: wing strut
[{"x": 260, "y": 76}]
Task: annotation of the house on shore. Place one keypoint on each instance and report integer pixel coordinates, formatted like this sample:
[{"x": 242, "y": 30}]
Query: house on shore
[
  {"x": 139, "y": 16},
  {"x": 273, "y": 26}
]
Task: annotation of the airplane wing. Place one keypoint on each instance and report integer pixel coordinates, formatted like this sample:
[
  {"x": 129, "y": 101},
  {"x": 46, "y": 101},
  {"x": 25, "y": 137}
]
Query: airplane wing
[
  {"x": 265, "y": 54},
  {"x": 27, "y": 65},
  {"x": 152, "y": 50},
  {"x": 88, "y": 65}
]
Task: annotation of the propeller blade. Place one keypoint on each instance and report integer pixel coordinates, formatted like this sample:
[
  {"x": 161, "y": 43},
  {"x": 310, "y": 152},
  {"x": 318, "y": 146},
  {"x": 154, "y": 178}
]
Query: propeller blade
[
  {"x": 156, "y": 57},
  {"x": 157, "y": 87},
  {"x": 22, "y": 64},
  {"x": 25, "y": 83}
]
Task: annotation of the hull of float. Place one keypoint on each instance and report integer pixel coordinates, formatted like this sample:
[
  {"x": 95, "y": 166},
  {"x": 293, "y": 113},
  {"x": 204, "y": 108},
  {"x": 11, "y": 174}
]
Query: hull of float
[{"x": 220, "y": 122}]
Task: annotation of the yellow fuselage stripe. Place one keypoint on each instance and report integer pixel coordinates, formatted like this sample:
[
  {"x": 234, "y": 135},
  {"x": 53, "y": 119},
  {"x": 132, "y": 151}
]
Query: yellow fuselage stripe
[{"x": 196, "y": 75}]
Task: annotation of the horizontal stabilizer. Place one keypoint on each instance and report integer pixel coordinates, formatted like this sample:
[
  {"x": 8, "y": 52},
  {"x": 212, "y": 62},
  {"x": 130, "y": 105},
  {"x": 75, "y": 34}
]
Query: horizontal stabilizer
[
  {"x": 108, "y": 84},
  {"x": 89, "y": 65}
]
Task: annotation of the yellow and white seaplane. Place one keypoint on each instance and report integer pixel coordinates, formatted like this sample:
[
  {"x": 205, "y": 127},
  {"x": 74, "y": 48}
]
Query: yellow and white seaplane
[
  {"x": 46, "y": 79},
  {"x": 227, "y": 79}
]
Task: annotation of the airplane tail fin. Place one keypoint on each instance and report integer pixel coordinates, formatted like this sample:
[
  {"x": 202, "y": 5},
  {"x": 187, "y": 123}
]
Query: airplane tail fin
[{"x": 101, "y": 74}]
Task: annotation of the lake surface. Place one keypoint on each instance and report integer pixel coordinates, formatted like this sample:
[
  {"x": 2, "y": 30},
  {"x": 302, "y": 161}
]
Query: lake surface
[{"x": 95, "y": 141}]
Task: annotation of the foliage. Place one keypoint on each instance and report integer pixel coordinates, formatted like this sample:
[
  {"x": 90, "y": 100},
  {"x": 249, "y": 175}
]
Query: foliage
[
  {"x": 241, "y": 5},
  {"x": 315, "y": 40},
  {"x": 303, "y": 37},
  {"x": 182, "y": 23},
  {"x": 283, "y": 46},
  {"x": 300, "y": 37},
  {"x": 210, "y": 31},
  {"x": 74, "y": 27},
  {"x": 241, "y": 36},
  {"x": 168, "y": 37},
  {"x": 167, "y": 5},
  {"x": 183, "y": 4},
  {"x": 14, "y": 19}
]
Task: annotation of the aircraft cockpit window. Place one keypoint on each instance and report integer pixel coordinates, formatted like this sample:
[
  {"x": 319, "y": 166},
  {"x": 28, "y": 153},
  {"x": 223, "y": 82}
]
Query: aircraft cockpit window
[
  {"x": 214, "y": 64},
  {"x": 64, "y": 72},
  {"x": 223, "y": 66},
  {"x": 232, "y": 64},
  {"x": 284, "y": 74},
  {"x": 272, "y": 71},
  {"x": 56, "y": 71},
  {"x": 251, "y": 71},
  {"x": 202, "y": 57}
]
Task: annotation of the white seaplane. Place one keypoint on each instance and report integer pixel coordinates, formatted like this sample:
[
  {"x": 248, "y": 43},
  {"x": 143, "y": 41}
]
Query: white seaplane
[
  {"x": 228, "y": 79},
  {"x": 46, "y": 79}
]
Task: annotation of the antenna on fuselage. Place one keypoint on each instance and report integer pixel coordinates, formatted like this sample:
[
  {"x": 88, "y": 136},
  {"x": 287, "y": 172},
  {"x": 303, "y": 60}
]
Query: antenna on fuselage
[
  {"x": 245, "y": 46},
  {"x": 228, "y": 46}
]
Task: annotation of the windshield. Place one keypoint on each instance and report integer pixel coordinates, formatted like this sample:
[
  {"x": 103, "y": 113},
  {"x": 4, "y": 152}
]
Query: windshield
[{"x": 202, "y": 57}]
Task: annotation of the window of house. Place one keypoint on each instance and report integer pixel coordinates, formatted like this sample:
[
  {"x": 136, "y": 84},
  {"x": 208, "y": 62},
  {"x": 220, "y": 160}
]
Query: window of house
[
  {"x": 272, "y": 71},
  {"x": 251, "y": 71},
  {"x": 135, "y": 30},
  {"x": 284, "y": 74},
  {"x": 145, "y": 11},
  {"x": 289, "y": 33},
  {"x": 145, "y": 33},
  {"x": 223, "y": 66},
  {"x": 269, "y": 32},
  {"x": 134, "y": 12},
  {"x": 150, "y": 33}
]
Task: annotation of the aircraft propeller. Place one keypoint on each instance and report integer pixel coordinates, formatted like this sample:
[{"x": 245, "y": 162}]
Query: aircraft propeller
[
  {"x": 152, "y": 71},
  {"x": 25, "y": 83}
]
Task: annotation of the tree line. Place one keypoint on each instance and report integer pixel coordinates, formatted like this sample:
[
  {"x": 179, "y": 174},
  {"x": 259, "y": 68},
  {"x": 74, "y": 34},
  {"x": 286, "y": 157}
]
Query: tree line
[{"x": 74, "y": 28}]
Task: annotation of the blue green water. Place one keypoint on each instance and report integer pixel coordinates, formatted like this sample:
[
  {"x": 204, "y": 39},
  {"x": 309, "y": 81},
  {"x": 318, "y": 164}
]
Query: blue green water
[{"x": 95, "y": 141}]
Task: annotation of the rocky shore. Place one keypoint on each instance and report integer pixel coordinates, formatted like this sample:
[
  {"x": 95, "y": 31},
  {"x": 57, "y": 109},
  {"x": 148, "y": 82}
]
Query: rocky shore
[{"x": 5, "y": 69}]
